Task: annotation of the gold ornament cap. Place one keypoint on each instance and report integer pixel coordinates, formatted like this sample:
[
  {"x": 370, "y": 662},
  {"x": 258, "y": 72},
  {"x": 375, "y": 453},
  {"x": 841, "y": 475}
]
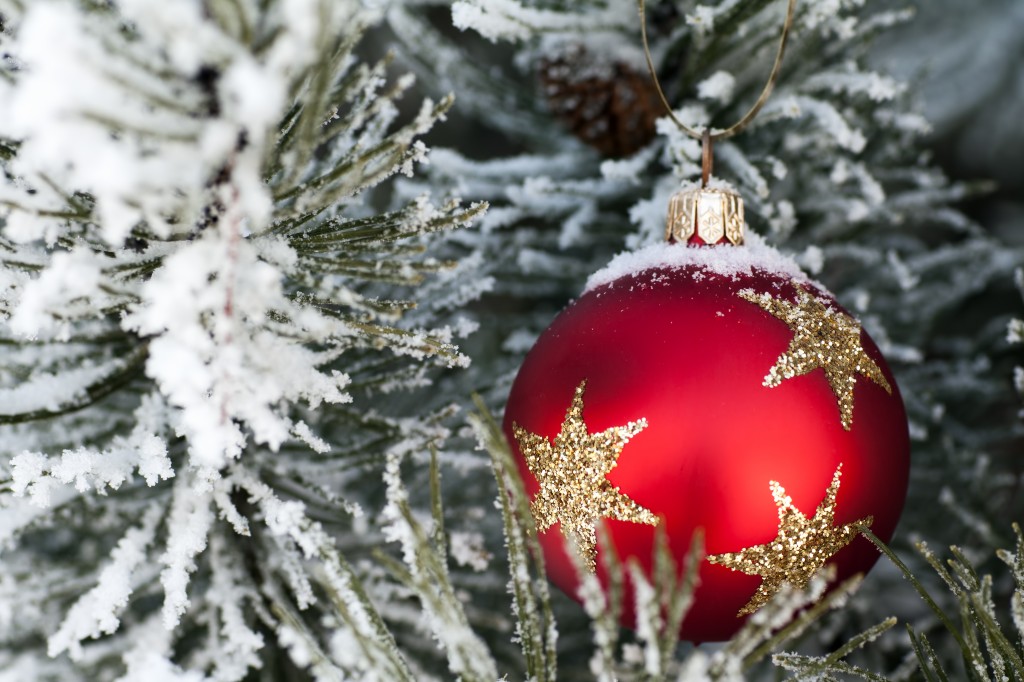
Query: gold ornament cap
[{"x": 705, "y": 216}]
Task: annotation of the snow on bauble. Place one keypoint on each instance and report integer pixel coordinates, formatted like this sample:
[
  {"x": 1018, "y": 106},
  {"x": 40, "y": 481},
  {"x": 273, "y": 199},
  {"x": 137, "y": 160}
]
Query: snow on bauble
[{"x": 714, "y": 389}]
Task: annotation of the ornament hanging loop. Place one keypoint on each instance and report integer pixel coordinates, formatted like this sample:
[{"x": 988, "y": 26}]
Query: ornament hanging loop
[
  {"x": 766, "y": 91},
  {"x": 705, "y": 215},
  {"x": 707, "y": 163}
]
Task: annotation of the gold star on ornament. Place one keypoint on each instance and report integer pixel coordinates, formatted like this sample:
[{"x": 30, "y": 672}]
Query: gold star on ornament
[
  {"x": 571, "y": 471},
  {"x": 823, "y": 338},
  {"x": 802, "y": 546}
]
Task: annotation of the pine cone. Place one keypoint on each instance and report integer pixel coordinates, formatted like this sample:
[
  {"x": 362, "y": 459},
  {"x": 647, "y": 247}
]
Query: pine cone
[{"x": 611, "y": 107}]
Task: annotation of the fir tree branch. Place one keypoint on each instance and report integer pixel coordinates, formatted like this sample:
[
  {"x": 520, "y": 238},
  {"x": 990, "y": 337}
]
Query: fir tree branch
[
  {"x": 314, "y": 108},
  {"x": 858, "y": 641},
  {"x": 970, "y": 611},
  {"x": 882, "y": 547},
  {"x": 927, "y": 661},
  {"x": 436, "y": 509},
  {"x": 535, "y": 620},
  {"x": 678, "y": 598},
  {"x": 130, "y": 369},
  {"x": 796, "y": 626}
]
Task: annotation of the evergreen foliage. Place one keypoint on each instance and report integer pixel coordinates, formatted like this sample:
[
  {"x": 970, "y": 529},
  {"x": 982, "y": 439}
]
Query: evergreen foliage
[
  {"x": 193, "y": 272},
  {"x": 234, "y": 441}
]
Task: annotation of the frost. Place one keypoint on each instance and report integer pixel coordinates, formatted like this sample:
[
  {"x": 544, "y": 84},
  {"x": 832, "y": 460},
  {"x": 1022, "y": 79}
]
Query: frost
[
  {"x": 286, "y": 518},
  {"x": 37, "y": 475},
  {"x": 861, "y": 300},
  {"x": 904, "y": 276},
  {"x": 72, "y": 99},
  {"x": 67, "y": 288},
  {"x": 297, "y": 646},
  {"x": 240, "y": 643},
  {"x": 277, "y": 252},
  {"x": 628, "y": 170},
  {"x": 149, "y": 658},
  {"x": 813, "y": 259},
  {"x": 702, "y": 18},
  {"x": 648, "y": 620},
  {"x": 1015, "y": 331},
  {"x": 466, "y": 15},
  {"x": 188, "y": 528},
  {"x": 784, "y": 220},
  {"x": 875, "y": 86},
  {"x": 306, "y": 435},
  {"x": 832, "y": 122},
  {"x": 214, "y": 357},
  {"x": 468, "y": 549},
  {"x": 746, "y": 172},
  {"x": 779, "y": 169},
  {"x": 45, "y": 391},
  {"x": 871, "y": 189},
  {"x": 468, "y": 655},
  {"x": 827, "y": 16},
  {"x": 154, "y": 464},
  {"x": 96, "y": 612},
  {"x": 163, "y": 22},
  {"x": 512, "y": 20},
  {"x": 60, "y": 110},
  {"x": 695, "y": 668},
  {"x": 16, "y": 518},
  {"x": 718, "y": 86}
]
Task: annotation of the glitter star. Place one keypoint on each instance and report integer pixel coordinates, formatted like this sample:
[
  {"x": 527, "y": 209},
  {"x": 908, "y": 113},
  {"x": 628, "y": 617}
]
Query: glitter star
[
  {"x": 571, "y": 471},
  {"x": 802, "y": 546},
  {"x": 822, "y": 338}
]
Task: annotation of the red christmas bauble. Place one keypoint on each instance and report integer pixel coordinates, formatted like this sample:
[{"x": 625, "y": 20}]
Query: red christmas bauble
[{"x": 710, "y": 388}]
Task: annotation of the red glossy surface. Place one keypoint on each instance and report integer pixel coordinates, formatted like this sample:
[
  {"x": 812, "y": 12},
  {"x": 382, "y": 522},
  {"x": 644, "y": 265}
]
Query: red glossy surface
[{"x": 690, "y": 357}]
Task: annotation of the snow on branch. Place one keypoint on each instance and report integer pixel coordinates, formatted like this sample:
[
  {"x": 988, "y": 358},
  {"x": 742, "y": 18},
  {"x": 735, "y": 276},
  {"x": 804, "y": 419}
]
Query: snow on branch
[
  {"x": 230, "y": 593},
  {"x": 194, "y": 284},
  {"x": 877, "y": 87},
  {"x": 38, "y": 475},
  {"x": 514, "y": 21},
  {"x": 96, "y": 612},
  {"x": 426, "y": 573},
  {"x": 218, "y": 356},
  {"x": 188, "y": 528},
  {"x": 118, "y": 132},
  {"x": 829, "y": 120}
]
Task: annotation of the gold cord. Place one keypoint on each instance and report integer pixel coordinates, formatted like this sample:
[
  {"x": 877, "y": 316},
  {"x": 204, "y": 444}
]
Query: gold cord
[{"x": 749, "y": 116}]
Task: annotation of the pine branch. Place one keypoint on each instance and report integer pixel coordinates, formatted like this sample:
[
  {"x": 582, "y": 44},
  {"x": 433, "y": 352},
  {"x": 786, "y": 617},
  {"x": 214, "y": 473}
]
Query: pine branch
[
  {"x": 977, "y": 614},
  {"x": 248, "y": 331},
  {"x": 129, "y": 370},
  {"x": 535, "y": 623}
]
